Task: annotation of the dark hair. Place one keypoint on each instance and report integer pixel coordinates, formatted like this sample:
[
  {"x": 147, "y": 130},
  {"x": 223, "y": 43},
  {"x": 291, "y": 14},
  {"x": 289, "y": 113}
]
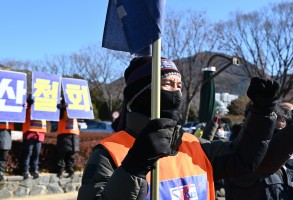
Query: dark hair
[{"x": 282, "y": 112}]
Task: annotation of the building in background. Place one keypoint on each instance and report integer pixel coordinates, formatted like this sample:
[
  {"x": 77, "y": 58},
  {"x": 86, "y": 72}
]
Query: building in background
[{"x": 223, "y": 100}]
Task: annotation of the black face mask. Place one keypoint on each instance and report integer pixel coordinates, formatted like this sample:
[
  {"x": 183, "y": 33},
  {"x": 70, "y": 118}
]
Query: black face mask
[{"x": 170, "y": 104}]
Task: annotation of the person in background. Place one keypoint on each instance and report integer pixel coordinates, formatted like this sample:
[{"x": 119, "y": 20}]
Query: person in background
[
  {"x": 213, "y": 131},
  {"x": 289, "y": 107},
  {"x": 221, "y": 133},
  {"x": 263, "y": 185},
  {"x": 5, "y": 145},
  {"x": 119, "y": 165},
  {"x": 33, "y": 137},
  {"x": 67, "y": 141}
]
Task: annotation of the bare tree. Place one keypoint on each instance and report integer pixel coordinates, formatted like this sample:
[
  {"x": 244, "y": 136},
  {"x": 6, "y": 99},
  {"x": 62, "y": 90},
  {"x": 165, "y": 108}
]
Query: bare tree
[
  {"x": 58, "y": 64},
  {"x": 20, "y": 65},
  {"x": 103, "y": 71},
  {"x": 187, "y": 34},
  {"x": 263, "y": 39},
  {"x": 278, "y": 28}
]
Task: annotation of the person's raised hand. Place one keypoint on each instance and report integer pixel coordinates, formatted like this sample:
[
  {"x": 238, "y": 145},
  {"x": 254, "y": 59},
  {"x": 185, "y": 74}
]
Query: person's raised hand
[
  {"x": 263, "y": 93},
  {"x": 160, "y": 138}
]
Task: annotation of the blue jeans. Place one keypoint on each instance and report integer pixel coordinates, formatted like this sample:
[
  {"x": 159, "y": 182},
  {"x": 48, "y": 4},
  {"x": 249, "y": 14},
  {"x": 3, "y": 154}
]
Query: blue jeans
[{"x": 31, "y": 152}]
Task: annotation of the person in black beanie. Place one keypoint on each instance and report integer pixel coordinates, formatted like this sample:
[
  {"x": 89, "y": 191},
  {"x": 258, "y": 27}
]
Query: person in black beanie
[{"x": 119, "y": 166}]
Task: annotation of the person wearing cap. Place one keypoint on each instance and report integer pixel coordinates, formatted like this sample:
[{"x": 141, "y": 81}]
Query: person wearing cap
[{"x": 119, "y": 166}]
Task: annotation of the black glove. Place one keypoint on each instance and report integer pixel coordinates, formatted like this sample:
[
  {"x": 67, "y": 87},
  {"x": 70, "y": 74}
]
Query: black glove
[
  {"x": 30, "y": 101},
  {"x": 160, "y": 138},
  {"x": 61, "y": 106},
  {"x": 263, "y": 93}
]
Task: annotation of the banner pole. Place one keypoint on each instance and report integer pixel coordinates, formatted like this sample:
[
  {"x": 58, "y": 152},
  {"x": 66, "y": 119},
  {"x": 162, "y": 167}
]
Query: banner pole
[{"x": 155, "y": 111}]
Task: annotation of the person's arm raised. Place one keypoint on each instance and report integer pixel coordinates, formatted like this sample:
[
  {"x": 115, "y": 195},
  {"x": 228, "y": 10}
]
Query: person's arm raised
[{"x": 259, "y": 125}]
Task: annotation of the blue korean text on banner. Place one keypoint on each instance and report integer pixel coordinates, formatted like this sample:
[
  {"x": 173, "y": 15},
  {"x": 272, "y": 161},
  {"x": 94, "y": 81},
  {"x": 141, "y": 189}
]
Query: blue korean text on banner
[
  {"x": 13, "y": 87},
  {"x": 77, "y": 97},
  {"x": 46, "y": 91},
  {"x": 132, "y": 25}
]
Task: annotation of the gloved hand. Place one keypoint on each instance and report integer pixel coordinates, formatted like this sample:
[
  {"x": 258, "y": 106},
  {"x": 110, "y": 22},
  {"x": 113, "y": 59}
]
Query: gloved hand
[
  {"x": 30, "y": 101},
  {"x": 61, "y": 106},
  {"x": 160, "y": 138},
  {"x": 263, "y": 93}
]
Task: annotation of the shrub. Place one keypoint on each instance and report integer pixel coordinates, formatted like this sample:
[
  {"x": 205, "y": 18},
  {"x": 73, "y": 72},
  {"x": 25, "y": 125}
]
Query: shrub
[
  {"x": 238, "y": 106},
  {"x": 47, "y": 161}
]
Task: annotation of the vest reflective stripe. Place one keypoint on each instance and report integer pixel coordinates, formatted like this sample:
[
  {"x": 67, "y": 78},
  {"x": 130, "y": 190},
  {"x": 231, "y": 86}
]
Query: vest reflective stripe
[
  {"x": 33, "y": 125},
  {"x": 7, "y": 125},
  {"x": 68, "y": 126},
  {"x": 190, "y": 168}
]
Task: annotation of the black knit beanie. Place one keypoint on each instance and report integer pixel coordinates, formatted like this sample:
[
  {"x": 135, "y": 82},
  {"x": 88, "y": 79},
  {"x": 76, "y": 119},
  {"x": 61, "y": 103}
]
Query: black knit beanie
[{"x": 138, "y": 84}]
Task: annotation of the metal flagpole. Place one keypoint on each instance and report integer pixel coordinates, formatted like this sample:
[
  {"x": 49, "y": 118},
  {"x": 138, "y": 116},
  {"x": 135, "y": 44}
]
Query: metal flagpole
[{"x": 155, "y": 111}]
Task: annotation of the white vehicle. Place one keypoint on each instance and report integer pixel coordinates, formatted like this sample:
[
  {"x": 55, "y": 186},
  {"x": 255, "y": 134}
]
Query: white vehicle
[{"x": 81, "y": 124}]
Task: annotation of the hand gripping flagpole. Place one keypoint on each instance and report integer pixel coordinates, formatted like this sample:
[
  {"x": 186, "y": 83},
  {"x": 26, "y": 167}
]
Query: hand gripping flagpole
[{"x": 155, "y": 111}]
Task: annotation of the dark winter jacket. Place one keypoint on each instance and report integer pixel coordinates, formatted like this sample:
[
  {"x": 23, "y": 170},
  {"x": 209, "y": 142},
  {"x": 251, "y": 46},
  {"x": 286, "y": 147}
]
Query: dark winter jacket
[
  {"x": 270, "y": 181},
  {"x": 277, "y": 186},
  {"x": 68, "y": 142},
  {"x": 103, "y": 180}
]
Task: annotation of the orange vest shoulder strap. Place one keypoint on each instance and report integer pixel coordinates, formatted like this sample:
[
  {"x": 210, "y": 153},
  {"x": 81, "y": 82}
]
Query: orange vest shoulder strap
[{"x": 121, "y": 142}]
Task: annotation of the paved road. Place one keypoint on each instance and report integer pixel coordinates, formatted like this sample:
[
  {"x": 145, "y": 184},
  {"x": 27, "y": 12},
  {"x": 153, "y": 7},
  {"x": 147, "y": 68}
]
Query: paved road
[{"x": 63, "y": 196}]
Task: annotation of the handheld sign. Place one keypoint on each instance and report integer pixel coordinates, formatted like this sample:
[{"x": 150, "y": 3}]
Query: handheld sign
[
  {"x": 46, "y": 89},
  {"x": 12, "y": 96},
  {"x": 77, "y": 96}
]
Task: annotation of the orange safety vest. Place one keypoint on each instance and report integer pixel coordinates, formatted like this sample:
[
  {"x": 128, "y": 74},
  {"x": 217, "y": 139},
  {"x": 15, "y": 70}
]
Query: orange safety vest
[
  {"x": 33, "y": 125},
  {"x": 188, "y": 175},
  {"x": 68, "y": 126},
  {"x": 7, "y": 125}
]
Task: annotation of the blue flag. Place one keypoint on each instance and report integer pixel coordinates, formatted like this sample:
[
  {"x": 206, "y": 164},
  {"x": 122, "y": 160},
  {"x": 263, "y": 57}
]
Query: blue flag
[{"x": 133, "y": 25}]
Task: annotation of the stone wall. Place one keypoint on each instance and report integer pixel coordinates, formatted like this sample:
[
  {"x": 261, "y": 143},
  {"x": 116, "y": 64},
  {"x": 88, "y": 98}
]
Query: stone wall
[{"x": 15, "y": 186}]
